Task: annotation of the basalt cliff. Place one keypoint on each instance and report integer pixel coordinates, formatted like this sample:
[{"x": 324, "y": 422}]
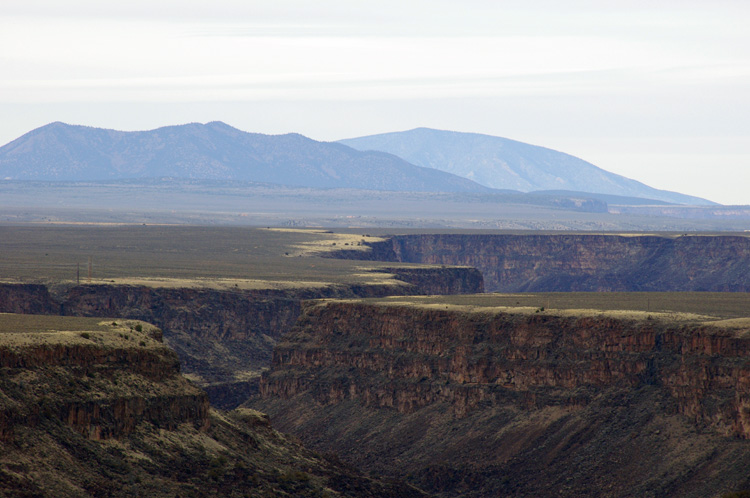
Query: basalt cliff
[
  {"x": 223, "y": 337},
  {"x": 566, "y": 262},
  {"x": 93, "y": 408},
  {"x": 101, "y": 382},
  {"x": 482, "y": 401}
]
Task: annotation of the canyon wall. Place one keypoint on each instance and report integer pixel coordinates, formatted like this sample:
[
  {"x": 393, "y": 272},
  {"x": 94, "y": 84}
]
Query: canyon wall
[
  {"x": 104, "y": 411},
  {"x": 581, "y": 262},
  {"x": 223, "y": 337},
  {"x": 518, "y": 402},
  {"x": 101, "y": 388}
]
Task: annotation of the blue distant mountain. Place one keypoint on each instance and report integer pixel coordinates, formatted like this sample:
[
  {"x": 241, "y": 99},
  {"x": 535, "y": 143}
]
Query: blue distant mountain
[
  {"x": 213, "y": 151},
  {"x": 501, "y": 163}
]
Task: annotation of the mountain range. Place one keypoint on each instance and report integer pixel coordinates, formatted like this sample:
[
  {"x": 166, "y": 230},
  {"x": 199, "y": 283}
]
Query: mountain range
[
  {"x": 212, "y": 151},
  {"x": 498, "y": 162},
  {"x": 420, "y": 160}
]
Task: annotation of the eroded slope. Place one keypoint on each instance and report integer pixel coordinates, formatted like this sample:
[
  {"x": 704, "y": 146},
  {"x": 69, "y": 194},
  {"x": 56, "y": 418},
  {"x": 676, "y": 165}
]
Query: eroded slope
[
  {"x": 469, "y": 400},
  {"x": 98, "y": 408}
]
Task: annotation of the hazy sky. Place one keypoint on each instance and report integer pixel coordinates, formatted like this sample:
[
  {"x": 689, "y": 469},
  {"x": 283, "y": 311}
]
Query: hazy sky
[{"x": 658, "y": 91}]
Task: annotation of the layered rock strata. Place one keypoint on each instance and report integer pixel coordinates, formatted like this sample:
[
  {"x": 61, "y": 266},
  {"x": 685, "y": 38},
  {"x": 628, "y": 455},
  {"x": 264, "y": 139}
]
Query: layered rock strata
[
  {"x": 102, "y": 383},
  {"x": 566, "y": 262},
  {"x": 223, "y": 337},
  {"x": 100, "y": 409},
  {"x": 470, "y": 402}
]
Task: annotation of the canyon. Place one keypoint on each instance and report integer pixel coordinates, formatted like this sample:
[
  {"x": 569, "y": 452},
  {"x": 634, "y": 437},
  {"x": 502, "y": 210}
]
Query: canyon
[
  {"x": 224, "y": 337},
  {"x": 101, "y": 369},
  {"x": 224, "y": 333},
  {"x": 345, "y": 340},
  {"x": 480, "y": 401},
  {"x": 568, "y": 262},
  {"x": 99, "y": 408}
]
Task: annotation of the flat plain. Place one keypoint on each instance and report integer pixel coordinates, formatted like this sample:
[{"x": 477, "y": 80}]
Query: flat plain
[
  {"x": 242, "y": 257},
  {"x": 196, "y": 202},
  {"x": 691, "y": 306},
  {"x": 181, "y": 256}
]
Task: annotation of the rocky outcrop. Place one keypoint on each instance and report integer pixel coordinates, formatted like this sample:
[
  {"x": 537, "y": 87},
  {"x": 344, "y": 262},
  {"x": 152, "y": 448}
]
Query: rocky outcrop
[
  {"x": 442, "y": 280},
  {"x": 103, "y": 411},
  {"x": 469, "y": 402},
  {"x": 27, "y": 298},
  {"x": 100, "y": 383},
  {"x": 565, "y": 262},
  {"x": 222, "y": 336}
]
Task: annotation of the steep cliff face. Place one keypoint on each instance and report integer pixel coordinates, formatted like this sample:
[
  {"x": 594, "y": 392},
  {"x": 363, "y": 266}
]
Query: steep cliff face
[
  {"x": 223, "y": 337},
  {"x": 471, "y": 403},
  {"x": 581, "y": 262},
  {"x": 202, "y": 325},
  {"x": 102, "y": 383},
  {"x": 27, "y": 298},
  {"x": 443, "y": 280},
  {"x": 91, "y": 408}
]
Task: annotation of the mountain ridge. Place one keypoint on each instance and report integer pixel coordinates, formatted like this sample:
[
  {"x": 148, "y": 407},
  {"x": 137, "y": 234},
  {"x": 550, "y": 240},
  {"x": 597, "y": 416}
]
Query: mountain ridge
[
  {"x": 62, "y": 152},
  {"x": 418, "y": 160},
  {"x": 499, "y": 162}
]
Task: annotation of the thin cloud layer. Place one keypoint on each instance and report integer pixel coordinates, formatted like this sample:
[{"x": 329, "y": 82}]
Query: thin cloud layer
[{"x": 536, "y": 71}]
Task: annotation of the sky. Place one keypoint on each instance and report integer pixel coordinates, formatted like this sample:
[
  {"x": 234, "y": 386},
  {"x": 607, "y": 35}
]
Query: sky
[{"x": 658, "y": 91}]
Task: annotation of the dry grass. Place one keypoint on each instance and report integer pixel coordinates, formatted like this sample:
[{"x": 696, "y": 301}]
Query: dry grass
[
  {"x": 728, "y": 310},
  {"x": 167, "y": 256},
  {"x": 31, "y": 330},
  {"x": 212, "y": 283},
  {"x": 330, "y": 243},
  {"x": 12, "y": 323}
]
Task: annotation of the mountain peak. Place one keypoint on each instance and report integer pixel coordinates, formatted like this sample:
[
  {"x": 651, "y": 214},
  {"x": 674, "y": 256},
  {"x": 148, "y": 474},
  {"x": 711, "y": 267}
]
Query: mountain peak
[
  {"x": 421, "y": 159},
  {"x": 212, "y": 151},
  {"x": 502, "y": 163}
]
